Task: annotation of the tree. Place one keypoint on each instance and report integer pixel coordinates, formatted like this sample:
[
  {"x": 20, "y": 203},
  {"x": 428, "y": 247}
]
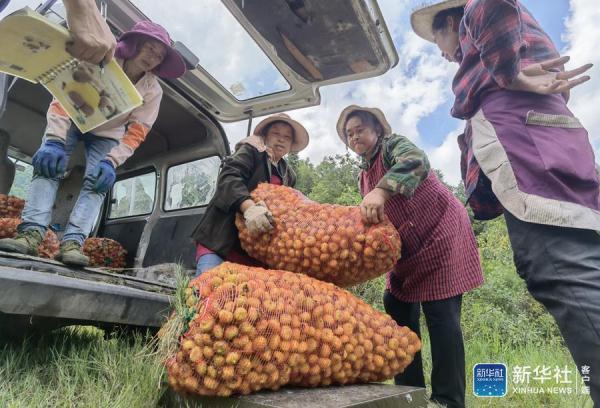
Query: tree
[
  {"x": 336, "y": 181},
  {"x": 305, "y": 173}
]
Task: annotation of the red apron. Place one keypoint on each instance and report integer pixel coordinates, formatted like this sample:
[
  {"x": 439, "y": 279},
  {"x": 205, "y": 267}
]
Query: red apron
[{"x": 439, "y": 258}]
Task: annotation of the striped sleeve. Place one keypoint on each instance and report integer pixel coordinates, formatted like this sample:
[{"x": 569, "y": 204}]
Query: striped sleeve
[
  {"x": 58, "y": 122},
  {"x": 137, "y": 127}
]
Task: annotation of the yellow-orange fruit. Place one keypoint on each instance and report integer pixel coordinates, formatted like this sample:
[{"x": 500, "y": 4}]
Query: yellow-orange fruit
[
  {"x": 305, "y": 332},
  {"x": 328, "y": 242},
  {"x": 11, "y": 206},
  {"x": 105, "y": 252}
]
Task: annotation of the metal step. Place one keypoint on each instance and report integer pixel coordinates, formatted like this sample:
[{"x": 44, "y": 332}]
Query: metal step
[{"x": 350, "y": 396}]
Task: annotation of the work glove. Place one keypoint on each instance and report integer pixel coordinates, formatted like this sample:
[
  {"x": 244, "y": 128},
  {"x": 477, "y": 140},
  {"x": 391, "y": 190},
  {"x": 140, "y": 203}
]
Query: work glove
[
  {"x": 104, "y": 176},
  {"x": 258, "y": 219},
  {"x": 50, "y": 160}
]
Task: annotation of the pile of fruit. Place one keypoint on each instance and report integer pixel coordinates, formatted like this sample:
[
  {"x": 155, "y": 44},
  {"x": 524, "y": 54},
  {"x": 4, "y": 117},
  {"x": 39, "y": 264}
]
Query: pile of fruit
[
  {"x": 11, "y": 206},
  {"x": 248, "y": 329},
  {"x": 47, "y": 249},
  {"x": 327, "y": 242},
  {"x": 105, "y": 252}
]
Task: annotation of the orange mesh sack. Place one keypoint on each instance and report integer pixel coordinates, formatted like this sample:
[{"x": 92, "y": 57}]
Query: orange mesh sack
[
  {"x": 104, "y": 252},
  {"x": 50, "y": 245},
  {"x": 247, "y": 329},
  {"x": 47, "y": 249},
  {"x": 327, "y": 242},
  {"x": 11, "y": 206}
]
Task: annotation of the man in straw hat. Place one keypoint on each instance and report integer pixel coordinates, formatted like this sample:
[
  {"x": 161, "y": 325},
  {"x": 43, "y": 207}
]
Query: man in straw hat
[
  {"x": 524, "y": 154},
  {"x": 259, "y": 158}
]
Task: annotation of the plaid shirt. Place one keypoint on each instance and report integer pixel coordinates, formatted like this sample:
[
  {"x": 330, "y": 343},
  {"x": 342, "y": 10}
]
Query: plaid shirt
[
  {"x": 497, "y": 39},
  {"x": 478, "y": 188}
]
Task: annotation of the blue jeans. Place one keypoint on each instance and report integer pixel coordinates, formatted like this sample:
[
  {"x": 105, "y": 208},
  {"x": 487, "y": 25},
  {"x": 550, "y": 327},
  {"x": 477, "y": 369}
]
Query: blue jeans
[
  {"x": 206, "y": 262},
  {"x": 37, "y": 213}
]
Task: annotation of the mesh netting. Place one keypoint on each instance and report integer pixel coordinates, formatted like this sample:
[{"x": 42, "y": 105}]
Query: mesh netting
[
  {"x": 11, "y": 206},
  {"x": 327, "y": 242},
  {"x": 105, "y": 252},
  {"x": 249, "y": 329},
  {"x": 47, "y": 249}
]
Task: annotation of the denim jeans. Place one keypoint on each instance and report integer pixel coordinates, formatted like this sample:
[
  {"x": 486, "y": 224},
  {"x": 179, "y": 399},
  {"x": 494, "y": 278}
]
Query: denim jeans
[
  {"x": 37, "y": 213},
  {"x": 206, "y": 262}
]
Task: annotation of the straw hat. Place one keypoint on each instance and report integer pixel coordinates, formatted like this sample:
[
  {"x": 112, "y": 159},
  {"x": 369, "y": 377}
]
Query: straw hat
[
  {"x": 387, "y": 129},
  {"x": 300, "y": 134},
  {"x": 422, "y": 18}
]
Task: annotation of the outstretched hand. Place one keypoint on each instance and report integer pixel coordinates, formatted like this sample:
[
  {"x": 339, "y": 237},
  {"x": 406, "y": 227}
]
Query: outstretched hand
[{"x": 542, "y": 78}]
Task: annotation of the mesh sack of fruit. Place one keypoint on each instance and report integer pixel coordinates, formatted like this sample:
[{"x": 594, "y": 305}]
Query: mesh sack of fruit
[
  {"x": 47, "y": 249},
  {"x": 327, "y": 242},
  {"x": 11, "y": 206},
  {"x": 241, "y": 329},
  {"x": 105, "y": 252}
]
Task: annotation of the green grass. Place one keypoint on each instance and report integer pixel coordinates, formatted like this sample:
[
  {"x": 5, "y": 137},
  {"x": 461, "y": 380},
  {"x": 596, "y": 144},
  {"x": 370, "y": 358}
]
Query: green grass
[{"x": 78, "y": 367}]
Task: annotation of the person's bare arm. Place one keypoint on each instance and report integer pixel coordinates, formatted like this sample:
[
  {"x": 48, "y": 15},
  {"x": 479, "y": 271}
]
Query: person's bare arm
[{"x": 92, "y": 39}]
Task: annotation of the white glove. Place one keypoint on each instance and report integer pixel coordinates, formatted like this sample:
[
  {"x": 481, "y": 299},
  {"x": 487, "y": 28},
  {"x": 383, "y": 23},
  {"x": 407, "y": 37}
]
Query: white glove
[{"x": 258, "y": 219}]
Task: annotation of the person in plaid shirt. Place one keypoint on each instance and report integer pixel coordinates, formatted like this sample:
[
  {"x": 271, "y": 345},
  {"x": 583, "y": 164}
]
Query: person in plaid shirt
[
  {"x": 526, "y": 155},
  {"x": 439, "y": 260}
]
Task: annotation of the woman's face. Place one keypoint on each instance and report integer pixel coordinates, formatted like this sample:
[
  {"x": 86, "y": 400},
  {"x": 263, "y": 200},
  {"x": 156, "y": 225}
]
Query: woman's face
[
  {"x": 151, "y": 55},
  {"x": 279, "y": 138},
  {"x": 361, "y": 138},
  {"x": 447, "y": 39}
]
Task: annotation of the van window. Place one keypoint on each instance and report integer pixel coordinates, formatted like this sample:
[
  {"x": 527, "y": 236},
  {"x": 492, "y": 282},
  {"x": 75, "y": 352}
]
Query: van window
[
  {"x": 192, "y": 184},
  {"x": 133, "y": 196},
  {"x": 23, "y": 174}
]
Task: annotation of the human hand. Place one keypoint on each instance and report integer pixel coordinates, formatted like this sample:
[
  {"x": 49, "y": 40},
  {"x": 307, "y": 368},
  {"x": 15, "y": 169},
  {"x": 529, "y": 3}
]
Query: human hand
[
  {"x": 92, "y": 40},
  {"x": 50, "y": 160},
  {"x": 538, "y": 78},
  {"x": 372, "y": 206},
  {"x": 104, "y": 176},
  {"x": 258, "y": 219}
]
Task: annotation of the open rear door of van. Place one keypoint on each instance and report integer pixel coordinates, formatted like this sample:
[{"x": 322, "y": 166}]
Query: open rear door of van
[{"x": 267, "y": 56}]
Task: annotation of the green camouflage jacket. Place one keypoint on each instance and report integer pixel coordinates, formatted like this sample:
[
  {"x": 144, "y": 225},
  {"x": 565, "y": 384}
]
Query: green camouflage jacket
[{"x": 407, "y": 165}]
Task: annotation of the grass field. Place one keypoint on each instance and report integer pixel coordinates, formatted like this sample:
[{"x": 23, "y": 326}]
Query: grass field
[{"x": 79, "y": 367}]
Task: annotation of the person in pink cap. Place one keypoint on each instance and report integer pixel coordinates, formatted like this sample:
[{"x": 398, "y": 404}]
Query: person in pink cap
[{"x": 145, "y": 53}]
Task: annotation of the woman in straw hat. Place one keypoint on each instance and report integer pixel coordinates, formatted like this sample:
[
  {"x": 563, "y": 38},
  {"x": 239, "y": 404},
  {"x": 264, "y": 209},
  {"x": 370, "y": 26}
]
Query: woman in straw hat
[
  {"x": 145, "y": 53},
  {"x": 524, "y": 154},
  {"x": 258, "y": 158},
  {"x": 439, "y": 259}
]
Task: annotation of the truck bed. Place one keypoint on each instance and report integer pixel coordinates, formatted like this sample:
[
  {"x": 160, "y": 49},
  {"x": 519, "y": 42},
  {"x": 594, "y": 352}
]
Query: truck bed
[{"x": 41, "y": 293}]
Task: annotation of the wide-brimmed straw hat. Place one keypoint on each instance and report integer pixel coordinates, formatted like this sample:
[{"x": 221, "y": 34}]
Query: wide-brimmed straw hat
[
  {"x": 172, "y": 66},
  {"x": 341, "y": 123},
  {"x": 422, "y": 18},
  {"x": 300, "y": 134}
]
